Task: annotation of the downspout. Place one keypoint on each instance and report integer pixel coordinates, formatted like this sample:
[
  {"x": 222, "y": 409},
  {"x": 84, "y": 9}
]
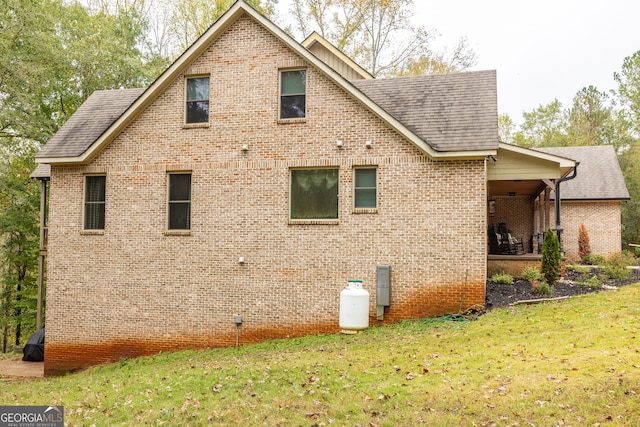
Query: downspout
[{"x": 557, "y": 190}]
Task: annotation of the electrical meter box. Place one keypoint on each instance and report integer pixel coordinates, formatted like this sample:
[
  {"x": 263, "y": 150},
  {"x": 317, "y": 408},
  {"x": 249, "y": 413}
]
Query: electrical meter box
[{"x": 383, "y": 285}]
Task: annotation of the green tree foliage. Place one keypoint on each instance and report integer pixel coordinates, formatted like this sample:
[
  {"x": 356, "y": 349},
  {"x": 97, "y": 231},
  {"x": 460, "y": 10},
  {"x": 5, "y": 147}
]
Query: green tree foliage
[
  {"x": 595, "y": 118},
  {"x": 53, "y": 55},
  {"x": 378, "y": 35},
  {"x": 550, "y": 258},
  {"x": 19, "y": 232},
  {"x": 546, "y": 126},
  {"x": 590, "y": 121}
]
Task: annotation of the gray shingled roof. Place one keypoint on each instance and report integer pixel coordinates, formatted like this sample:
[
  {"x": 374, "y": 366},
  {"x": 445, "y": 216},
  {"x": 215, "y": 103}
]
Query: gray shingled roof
[
  {"x": 89, "y": 122},
  {"x": 451, "y": 112},
  {"x": 599, "y": 176}
]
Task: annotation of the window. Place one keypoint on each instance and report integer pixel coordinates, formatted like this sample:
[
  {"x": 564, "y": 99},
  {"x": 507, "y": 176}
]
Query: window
[
  {"x": 197, "y": 100},
  {"x": 293, "y": 89},
  {"x": 314, "y": 193},
  {"x": 94, "y": 202},
  {"x": 365, "y": 191},
  {"x": 179, "y": 201}
]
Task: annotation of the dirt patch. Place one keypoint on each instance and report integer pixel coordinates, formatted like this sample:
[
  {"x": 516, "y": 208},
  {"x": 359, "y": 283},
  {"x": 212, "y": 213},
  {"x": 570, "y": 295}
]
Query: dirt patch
[
  {"x": 499, "y": 295},
  {"x": 17, "y": 368}
]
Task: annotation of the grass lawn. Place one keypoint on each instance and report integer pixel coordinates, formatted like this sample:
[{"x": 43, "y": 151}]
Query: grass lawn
[{"x": 569, "y": 363}]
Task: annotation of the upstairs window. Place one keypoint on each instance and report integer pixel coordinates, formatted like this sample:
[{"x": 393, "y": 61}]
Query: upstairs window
[
  {"x": 314, "y": 193},
  {"x": 94, "y": 202},
  {"x": 197, "y": 109},
  {"x": 293, "y": 94},
  {"x": 365, "y": 189},
  {"x": 179, "y": 210}
]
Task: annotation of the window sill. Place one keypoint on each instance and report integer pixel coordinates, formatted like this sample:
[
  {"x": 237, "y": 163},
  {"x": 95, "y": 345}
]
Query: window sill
[
  {"x": 177, "y": 233},
  {"x": 357, "y": 211},
  {"x": 289, "y": 121},
  {"x": 196, "y": 125},
  {"x": 92, "y": 232},
  {"x": 314, "y": 221}
]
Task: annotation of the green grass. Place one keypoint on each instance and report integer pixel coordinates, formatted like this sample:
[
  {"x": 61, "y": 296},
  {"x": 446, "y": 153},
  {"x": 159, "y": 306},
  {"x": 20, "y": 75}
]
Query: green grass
[{"x": 575, "y": 362}]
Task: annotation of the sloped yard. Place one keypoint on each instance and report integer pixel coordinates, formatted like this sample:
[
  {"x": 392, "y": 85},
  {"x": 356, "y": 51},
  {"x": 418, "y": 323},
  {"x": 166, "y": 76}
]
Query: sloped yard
[{"x": 575, "y": 362}]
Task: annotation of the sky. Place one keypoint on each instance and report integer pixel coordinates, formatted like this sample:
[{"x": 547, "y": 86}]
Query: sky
[{"x": 541, "y": 50}]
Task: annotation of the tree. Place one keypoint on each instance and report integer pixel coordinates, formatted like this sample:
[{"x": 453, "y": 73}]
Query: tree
[
  {"x": 590, "y": 120},
  {"x": 628, "y": 80},
  {"x": 378, "y": 35},
  {"x": 550, "y": 258},
  {"x": 584, "y": 245},
  {"x": 546, "y": 126},
  {"x": 53, "y": 55},
  {"x": 19, "y": 225}
]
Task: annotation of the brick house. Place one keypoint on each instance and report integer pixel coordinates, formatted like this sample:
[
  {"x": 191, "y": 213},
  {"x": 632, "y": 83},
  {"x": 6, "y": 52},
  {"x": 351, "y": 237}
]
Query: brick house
[{"x": 255, "y": 177}]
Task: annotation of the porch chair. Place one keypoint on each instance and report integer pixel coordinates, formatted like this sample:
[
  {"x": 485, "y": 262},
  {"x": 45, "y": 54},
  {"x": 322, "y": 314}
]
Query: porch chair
[{"x": 502, "y": 242}]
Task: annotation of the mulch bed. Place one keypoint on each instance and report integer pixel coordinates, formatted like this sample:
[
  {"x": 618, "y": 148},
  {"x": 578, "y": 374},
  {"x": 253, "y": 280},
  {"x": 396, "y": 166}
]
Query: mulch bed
[{"x": 499, "y": 295}]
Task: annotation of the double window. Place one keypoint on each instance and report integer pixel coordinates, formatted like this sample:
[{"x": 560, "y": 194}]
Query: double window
[
  {"x": 179, "y": 209},
  {"x": 94, "y": 201},
  {"x": 293, "y": 94},
  {"x": 197, "y": 108}
]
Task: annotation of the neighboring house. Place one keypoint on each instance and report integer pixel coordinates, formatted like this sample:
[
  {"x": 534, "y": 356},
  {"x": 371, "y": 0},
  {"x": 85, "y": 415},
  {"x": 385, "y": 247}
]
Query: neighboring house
[{"x": 253, "y": 179}]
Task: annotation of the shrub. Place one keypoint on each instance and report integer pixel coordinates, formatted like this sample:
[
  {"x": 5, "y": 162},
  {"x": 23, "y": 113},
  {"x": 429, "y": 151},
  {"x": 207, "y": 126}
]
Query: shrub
[
  {"x": 592, "y": 259},
  {"x": 629, "y": 257},
  {"x": 593, "y": 282},
  {"x": 530, "y": 273},
  {"x": 551, "y": 258},
  {"x": 539, "y": 284},
  {"x": 584, "y": 247},
  {"x": 502, "y": 278},
  {"x": 615, "y": 268},
  {"x": 541, "y": 287}
]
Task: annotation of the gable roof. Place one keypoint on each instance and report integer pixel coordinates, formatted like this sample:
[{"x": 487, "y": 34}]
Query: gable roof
[
  {"x": 92, "y": 147},
  {"x": 599, "y": 175},
  {"x": 452, "y": 112},
  {"x": 321, "y": 47}
]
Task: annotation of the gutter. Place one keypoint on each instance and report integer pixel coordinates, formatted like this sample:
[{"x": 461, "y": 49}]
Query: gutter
[{"x": 557, "y": 197}]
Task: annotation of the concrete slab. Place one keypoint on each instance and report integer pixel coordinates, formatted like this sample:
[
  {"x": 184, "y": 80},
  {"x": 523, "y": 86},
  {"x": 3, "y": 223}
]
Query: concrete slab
[{"x": 15, "y": 367}]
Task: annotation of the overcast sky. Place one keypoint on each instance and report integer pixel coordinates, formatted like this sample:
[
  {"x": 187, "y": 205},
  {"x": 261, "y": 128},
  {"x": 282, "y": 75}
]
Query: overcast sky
[{"x": 543, "y": 49}]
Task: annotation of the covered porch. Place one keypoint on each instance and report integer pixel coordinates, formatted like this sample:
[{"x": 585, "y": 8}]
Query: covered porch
[{"x": 519, "y": 186}]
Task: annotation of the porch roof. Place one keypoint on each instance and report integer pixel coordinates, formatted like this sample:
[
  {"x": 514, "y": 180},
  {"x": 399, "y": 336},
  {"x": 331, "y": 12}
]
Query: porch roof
[{"x": 517, "y": 171}]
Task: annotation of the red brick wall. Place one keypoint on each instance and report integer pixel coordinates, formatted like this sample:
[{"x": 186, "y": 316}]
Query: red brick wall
[{"x": 135, "y": 289}]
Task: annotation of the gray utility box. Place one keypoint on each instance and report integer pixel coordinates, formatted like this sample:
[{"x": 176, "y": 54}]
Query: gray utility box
[{"x": 383, "y": 285}]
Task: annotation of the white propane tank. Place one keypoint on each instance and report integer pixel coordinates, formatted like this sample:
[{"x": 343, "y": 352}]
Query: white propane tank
[{"x": 354, "y": 307}]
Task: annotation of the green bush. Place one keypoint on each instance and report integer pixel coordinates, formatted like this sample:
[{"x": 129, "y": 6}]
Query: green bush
[
  {"x": 541, "y": 287},
  {"x": 502, "y": 278},
  {"x": 551, "y": 258},
  {"x": 592, "y": 259},
  {"x": 539, "y": 284},
  {"x": 615, "y": 267},
  {"x": 593, "y": 282},
  {"x": 532, "y": 273}
]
